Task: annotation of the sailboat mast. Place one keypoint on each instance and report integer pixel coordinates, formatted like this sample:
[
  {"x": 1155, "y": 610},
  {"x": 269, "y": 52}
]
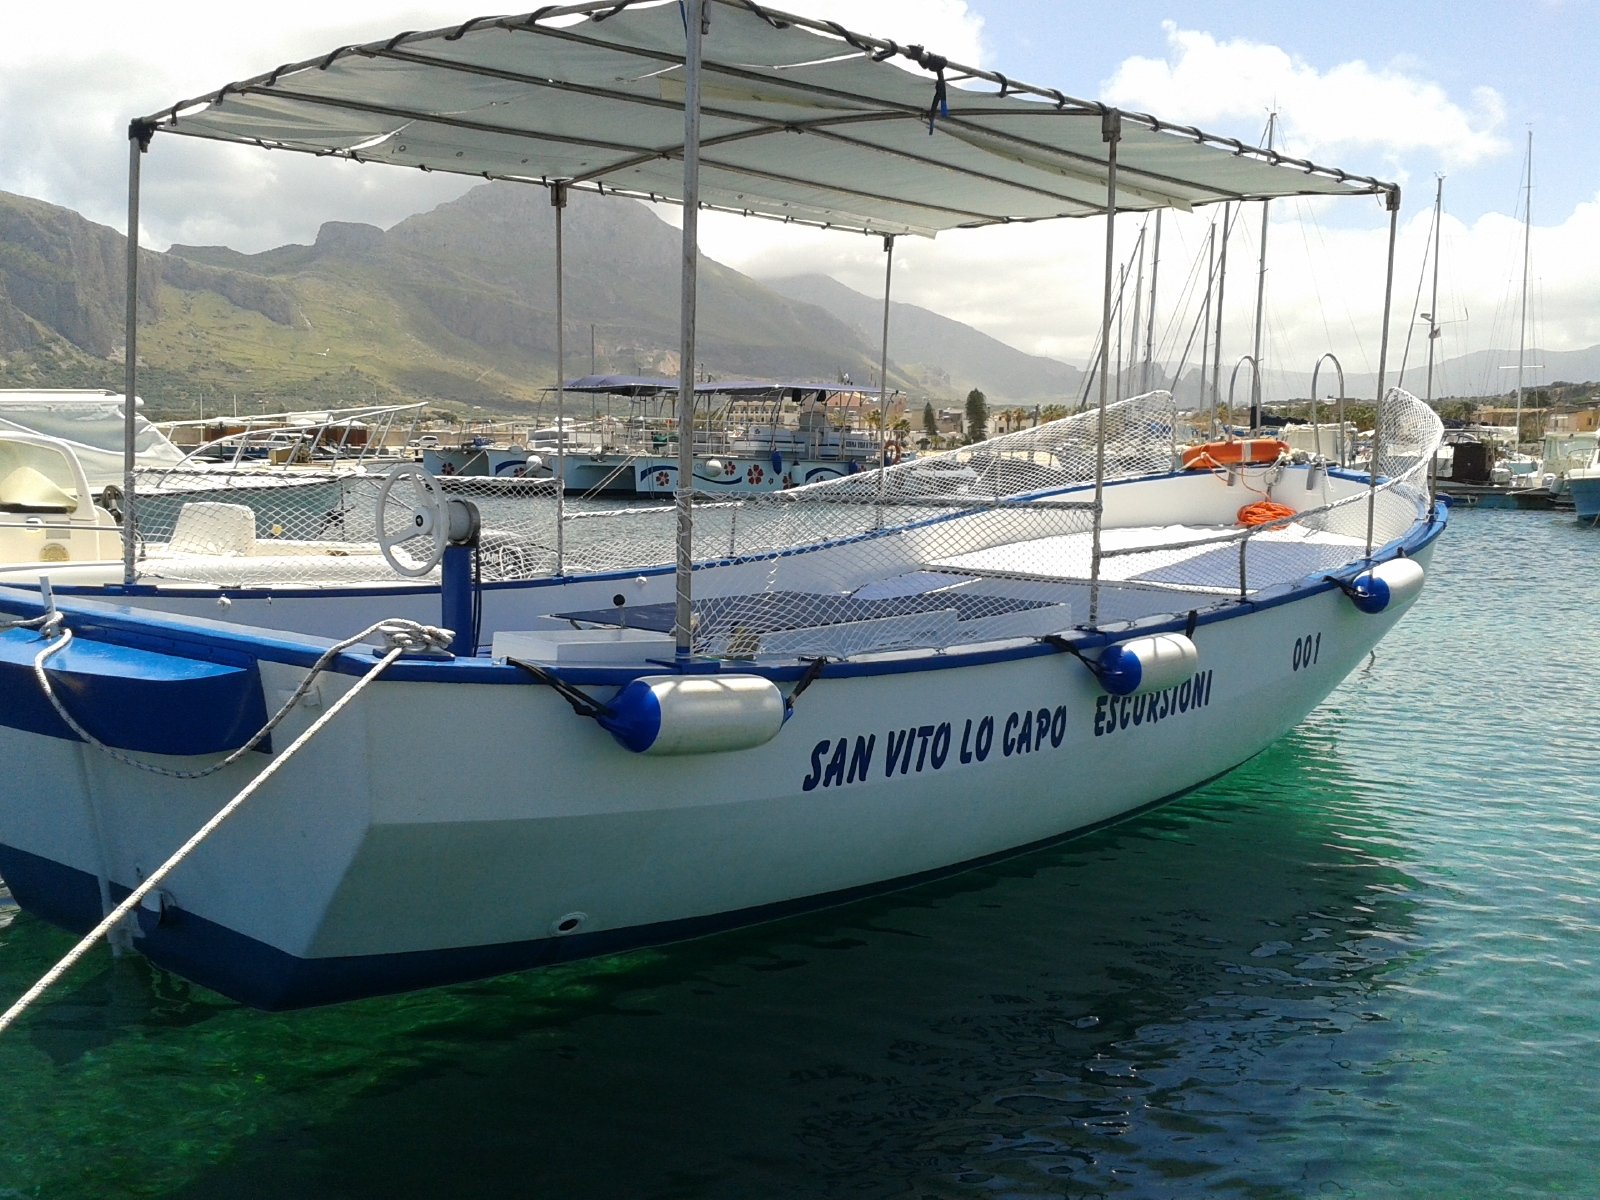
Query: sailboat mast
[
  {"x": 1205, "y": 318},
  {"x": 1136, "y": 330},
  {"x": 1261, "y": 295},
  {"x": 1433, "y": 310},
  {"x": 1522, "y": 332},
  {"x": 1222, "y": 283},
  {"x": 1150, "y": 313}
]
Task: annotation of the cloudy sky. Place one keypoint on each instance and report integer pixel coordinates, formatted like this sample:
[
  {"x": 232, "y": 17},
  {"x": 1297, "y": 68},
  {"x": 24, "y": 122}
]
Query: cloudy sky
[{"x": 1405, "y": 92}]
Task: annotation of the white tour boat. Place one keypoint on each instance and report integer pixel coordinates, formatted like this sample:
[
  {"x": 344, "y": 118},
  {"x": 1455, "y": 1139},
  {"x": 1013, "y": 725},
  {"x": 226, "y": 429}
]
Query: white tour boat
[{"x": 655, "y": 724}]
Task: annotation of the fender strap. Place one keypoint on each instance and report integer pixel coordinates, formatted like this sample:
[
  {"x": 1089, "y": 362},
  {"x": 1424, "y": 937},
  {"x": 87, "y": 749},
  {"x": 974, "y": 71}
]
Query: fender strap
[{"x": 582, "y": 704}]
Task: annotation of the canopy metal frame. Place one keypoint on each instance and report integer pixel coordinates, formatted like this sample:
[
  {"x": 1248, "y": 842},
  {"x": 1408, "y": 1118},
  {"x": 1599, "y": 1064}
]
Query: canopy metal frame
[{"x": 902, "y": 151}]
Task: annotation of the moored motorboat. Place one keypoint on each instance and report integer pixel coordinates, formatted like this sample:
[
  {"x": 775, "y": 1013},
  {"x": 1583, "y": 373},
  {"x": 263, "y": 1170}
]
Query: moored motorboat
[
  {"x": 738, "y": 708},
  {"x": 1583, "y": 486}
]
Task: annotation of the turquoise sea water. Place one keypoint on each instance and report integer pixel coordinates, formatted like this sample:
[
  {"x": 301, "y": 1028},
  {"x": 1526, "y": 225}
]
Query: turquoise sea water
[{"x": 1362, "y": 965}]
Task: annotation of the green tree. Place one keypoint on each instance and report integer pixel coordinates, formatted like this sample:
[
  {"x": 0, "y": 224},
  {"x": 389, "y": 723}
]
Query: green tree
[
  {"x": 977, "y": 416},
  {"x": 930, "y": 422}
]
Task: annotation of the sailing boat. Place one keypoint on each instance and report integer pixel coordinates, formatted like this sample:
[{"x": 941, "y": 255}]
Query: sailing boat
[{"x": 739, "y": 709}]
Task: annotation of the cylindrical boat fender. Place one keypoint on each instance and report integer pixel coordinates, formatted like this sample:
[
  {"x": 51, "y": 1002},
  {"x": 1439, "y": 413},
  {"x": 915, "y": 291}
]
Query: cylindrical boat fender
[
  {"x": 1395, "y": 581},
  {"x": 695, "y": 714},
  {"x": 1147, "y": 664}
]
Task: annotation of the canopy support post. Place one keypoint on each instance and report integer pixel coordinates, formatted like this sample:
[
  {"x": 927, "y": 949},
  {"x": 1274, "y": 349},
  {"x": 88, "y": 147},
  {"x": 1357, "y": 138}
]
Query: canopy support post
[
  {"x": 694, "y": 29},
  {"x": 1111, "y": 131},
  {"x": 558, "y": 201},
  {"x": 883, "y": 371},
  {"x": 1392, "y": 199},
  {"x": 139, "y": 135}
]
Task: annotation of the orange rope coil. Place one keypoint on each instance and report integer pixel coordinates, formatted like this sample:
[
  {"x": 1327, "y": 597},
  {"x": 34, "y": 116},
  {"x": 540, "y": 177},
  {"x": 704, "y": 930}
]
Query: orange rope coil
[{"x": 1264, "y": 511}]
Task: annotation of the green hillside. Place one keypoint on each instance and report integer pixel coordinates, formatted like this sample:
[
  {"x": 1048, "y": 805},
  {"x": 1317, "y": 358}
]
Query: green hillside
[{"x": 454, "y": 307}]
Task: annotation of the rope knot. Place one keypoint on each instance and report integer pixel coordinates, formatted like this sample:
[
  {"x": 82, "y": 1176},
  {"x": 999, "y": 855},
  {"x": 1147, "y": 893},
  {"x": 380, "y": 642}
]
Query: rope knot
[
  {"x": 940, "y": 106},
  {"x": 399, "y": 634}
]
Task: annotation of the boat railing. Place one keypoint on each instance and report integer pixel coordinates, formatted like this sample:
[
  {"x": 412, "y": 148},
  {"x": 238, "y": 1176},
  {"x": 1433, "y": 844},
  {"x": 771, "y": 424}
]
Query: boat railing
[
  {"x": 1310, "y": 539},
  {"x": 991, "y": 540}
]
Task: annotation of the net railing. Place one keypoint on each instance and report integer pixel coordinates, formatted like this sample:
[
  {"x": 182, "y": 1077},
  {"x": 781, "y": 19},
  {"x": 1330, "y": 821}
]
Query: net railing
[
  {"x": 1332, "y": 526},
  {"x": 990, "y": 541}
]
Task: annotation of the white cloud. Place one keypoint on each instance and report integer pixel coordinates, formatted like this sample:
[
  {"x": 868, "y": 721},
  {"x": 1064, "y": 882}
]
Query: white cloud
[
  {"x": 69, "y": 87},
  {"x": 1325, "y": 114},
  {"x": 1039, "y": 288},
  {"x": 80, "y": 91}
]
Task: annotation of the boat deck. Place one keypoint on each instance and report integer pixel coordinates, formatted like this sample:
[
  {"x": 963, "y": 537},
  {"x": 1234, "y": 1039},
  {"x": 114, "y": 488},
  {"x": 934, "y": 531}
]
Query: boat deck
[
  {"x": 1023, "y": 589},
  {"x": 1196, "y": 558}
]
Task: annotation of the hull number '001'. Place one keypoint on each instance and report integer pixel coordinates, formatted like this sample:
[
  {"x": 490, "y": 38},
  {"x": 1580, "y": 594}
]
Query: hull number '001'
[{"x": 1306, "y": 650}]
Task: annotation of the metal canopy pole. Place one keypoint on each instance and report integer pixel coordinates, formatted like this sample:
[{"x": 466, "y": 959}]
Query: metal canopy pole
[
  {"x": 694, "y": 30},
  {"x": 883, "y": 354},
  {"x": 1383, "y": 363},
  {"x": 138, "y": 142},
  {"x": 1111, "y": 131},
  {"x": 558, "y": 201},
  {"x": 883, "y": 369}
]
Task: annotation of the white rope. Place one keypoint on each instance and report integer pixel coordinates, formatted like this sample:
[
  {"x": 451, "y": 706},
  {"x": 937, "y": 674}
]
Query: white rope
[
  {"x": 403, "y": 636},
  {"x": 407, "y": 635},
  {"x": 45, "y": 623}
]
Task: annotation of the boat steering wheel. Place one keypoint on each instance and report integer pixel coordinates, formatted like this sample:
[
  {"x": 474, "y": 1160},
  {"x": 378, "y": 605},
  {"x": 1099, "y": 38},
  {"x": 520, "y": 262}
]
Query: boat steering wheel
[{"x": 429, "y": 519}]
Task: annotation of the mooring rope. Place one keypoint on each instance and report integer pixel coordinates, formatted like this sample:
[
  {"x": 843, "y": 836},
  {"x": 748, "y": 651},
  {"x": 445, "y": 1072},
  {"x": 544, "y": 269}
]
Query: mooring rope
[
  {"x": 407, "y": 635},
  {"x": 402, "y": 635}
]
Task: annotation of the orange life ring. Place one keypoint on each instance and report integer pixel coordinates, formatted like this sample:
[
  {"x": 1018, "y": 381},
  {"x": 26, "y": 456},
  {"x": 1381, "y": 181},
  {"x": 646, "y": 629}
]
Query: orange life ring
[
  {"x": 891, "y": 453},
  {"x": 1235, "y": 453}
]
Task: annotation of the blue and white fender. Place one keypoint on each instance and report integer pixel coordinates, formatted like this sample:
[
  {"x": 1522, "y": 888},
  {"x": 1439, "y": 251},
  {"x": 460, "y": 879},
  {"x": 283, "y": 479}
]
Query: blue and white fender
[
  {"x": 694, "y": 714},
  {"x": 1147, "y": 664},
  {"x": 1394, "y": 582}
]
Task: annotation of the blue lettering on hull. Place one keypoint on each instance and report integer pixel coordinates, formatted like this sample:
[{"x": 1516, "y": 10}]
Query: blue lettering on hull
[{"x": 923, "y": 749}]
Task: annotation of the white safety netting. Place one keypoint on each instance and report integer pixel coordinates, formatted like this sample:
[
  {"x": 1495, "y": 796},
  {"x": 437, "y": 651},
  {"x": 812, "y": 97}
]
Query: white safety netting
[{"x": 993, "y": 540}]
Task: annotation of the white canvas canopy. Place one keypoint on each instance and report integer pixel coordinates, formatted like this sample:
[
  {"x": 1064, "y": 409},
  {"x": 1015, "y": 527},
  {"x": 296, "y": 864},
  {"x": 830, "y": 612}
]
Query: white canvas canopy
[{"x": 799, "y": 120}]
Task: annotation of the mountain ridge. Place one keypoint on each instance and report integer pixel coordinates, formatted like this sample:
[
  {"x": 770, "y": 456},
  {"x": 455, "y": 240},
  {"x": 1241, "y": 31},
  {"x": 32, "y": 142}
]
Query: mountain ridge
[{"x": 456, "y": 306}]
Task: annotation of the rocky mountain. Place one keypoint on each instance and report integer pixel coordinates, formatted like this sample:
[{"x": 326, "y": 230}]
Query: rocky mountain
[
  {"x": 945, "y": 356},
  {"x": 456, "y": 306},
  {"x": 453, "y": 306}
]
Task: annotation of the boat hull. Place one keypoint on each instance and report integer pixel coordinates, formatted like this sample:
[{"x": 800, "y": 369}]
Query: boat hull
[
  {"x": 366, "y": 867},
  {"x": 1585, "y": 493},
  {"x": 740, "y": 475}
]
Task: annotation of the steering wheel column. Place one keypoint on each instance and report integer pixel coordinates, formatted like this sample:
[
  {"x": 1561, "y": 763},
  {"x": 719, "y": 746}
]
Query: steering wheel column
[{"x": 412, "y": 508}]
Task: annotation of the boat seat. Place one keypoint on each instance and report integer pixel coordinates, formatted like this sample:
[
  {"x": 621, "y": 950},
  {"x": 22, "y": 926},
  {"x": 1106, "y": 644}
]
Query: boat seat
[
  {"x": 28, "y": 490},
  {"x": 210, "y": 527}
]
